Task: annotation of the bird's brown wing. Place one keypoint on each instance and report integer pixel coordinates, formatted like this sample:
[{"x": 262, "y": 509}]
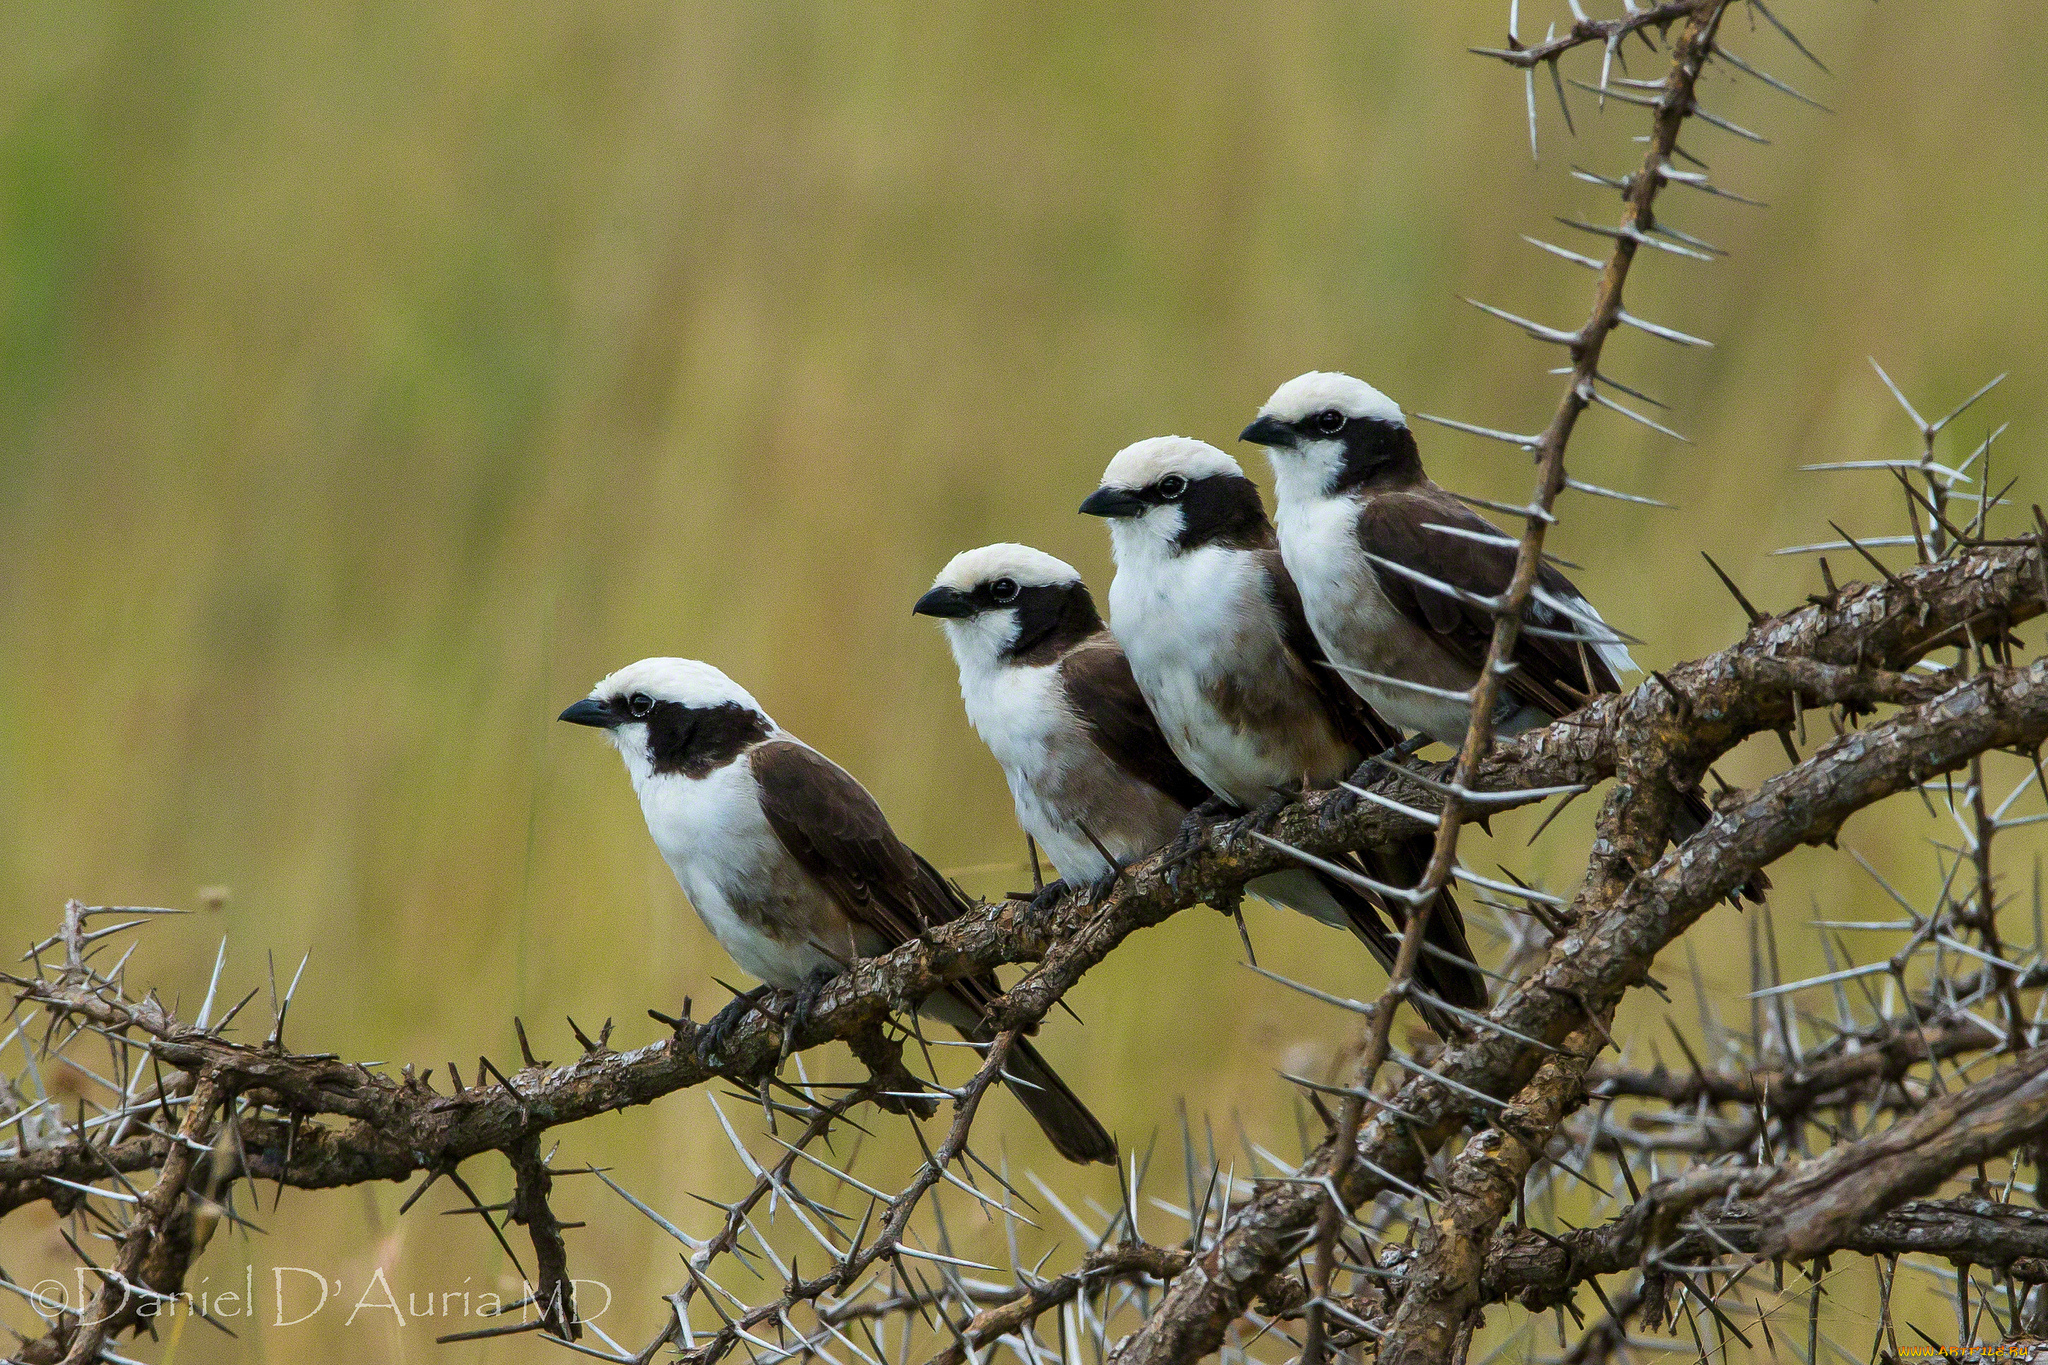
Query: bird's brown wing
[
  {"x": 830, "y": 825},
  {"x": 1349, "y": 714},
  {"x": 834, "y": 829},
  {"x": 1557, "y": 676},
  {"x": 1104, "y": 694},
  {"x": 1398, "y": 864}
]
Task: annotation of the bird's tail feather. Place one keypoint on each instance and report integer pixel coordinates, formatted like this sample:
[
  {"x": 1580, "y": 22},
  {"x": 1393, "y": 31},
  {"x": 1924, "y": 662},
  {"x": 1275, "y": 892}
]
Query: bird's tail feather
[
  {"x": 1693, "y": 817},
  {"x": 1335, "y": 901},
  {"x": 1074, "y": 1133},
  {"x": 1451, "y": 973}
]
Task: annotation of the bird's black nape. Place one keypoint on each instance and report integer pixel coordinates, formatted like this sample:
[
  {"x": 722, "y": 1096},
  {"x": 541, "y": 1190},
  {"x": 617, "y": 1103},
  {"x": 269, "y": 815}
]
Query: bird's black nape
[
  {"x": 1377, "y": 453},
  {"x": 1223, "y": 509},
  {"x": 1051, "y": 619}
]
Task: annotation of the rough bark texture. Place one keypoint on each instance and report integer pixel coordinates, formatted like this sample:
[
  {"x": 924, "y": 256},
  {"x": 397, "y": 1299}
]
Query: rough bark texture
[{"x": 316, "y": 1121}]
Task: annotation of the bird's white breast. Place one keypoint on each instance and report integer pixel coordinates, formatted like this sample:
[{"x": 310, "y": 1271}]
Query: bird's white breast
[
  {"x": 1019, "y": 713},
  {"x": 1319, "y": 544},
  {"x": 1052, "y": 765},
  {"x": 712, "y": 833},
  {"x": 1186, "y": 624},
  {"x": 1355, "y": 623}
]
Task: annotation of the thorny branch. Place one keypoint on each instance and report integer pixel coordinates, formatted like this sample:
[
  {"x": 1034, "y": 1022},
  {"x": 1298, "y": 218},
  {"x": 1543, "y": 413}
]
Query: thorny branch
[
  {"x": 1429, "y": 1320},
  {"x": 314, "y": 1121},
  {"x": 1381, "y": 1239}
]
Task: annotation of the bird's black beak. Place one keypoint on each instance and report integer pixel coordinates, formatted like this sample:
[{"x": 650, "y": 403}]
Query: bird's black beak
[
  {"x": 1113, "y": 502},
  {"x": 950, "y": 603},
  {"x": 1268, "y": 431},
  {"x": 590, "y": 711}
]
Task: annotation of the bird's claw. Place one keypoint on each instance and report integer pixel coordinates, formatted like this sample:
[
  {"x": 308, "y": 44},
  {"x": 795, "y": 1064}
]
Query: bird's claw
[
  {"x": 1339, "y": 807},
  {"x": 1260, "y": 818},
  {"x": 1194, "y": 830},
  {"x": 718, "y": 1030},
  {"x": 799, "y": 1013},
  {"x": 1042, "y": 903},
  {"x": 1343, "y": 801},
  {"x": 1187, "y": 839},
  {"x": 1099, "y": 890},
  {"x": 1393, "y": 756}
]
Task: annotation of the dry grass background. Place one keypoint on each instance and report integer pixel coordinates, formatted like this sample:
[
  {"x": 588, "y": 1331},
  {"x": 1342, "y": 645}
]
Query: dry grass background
[{"x": 373, "y": 378}]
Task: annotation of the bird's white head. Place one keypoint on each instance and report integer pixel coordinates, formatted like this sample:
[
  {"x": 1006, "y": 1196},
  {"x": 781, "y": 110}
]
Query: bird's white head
[
  {"x": 1326, "y": 432},
  {"x": 1172, "y": 493},
  {"x": 668, "y": 716},
  {"x": 1007, "y": 602}
]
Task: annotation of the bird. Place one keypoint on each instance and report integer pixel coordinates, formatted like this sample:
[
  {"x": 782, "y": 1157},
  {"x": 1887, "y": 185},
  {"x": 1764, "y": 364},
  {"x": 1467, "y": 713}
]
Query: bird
[
  {"x": 791, "y": 864},
  {"x": 1212, "y": 628},
  {"x": 1051, "y": 695},
  {"x": 1095, "y": 783},
  {"x": 1391, "y": 568}
]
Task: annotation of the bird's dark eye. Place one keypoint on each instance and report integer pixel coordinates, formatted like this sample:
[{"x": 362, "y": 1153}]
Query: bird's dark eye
[
  {"x": 1171, "y": 487},
  {"x": 1329, "y": 421},
  {"x": 1003, "y": 590},
  {"x": 639, "y": 704}
]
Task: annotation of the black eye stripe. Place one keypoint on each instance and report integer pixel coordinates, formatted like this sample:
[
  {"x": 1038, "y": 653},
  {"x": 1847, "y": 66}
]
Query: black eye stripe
[
  {"x": 692, "y": 740},
  {"x": 1375, "y": 450},
  {"x": 1051, "y": 618},
  {"x": 1221, "y": 508}
]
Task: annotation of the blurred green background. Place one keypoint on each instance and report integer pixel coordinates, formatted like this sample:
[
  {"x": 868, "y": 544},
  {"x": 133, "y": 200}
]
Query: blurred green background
[{"x": 375, "y": 377}]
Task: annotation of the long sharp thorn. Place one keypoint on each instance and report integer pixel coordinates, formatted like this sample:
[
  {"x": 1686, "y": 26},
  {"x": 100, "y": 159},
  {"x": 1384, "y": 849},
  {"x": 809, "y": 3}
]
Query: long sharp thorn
[
  {"x": 1528, "y": 893},
  {"x": 229, "y": 1017},
  {"x": 284, "y": 1006},
  {"x": 1557, "y": 80},
  {"x": 1772, "y": 81},
  {"x": 1487, "y": 538},
  {"x": 1755, "y": 617},
  {"x": 1574, "y": 257},
  {"x": 1403, "y": 1060},
  {"x": 1491, "y": 433},
  {"x": 1618, "y": 386},
  {"x": 1406, "y": 895},
  {"x": 1529, "y": 92},
  {"x": 1366, "y": 794},
  {"x": 1526, "y": 511},
  {"x": 1596, "y": 396},
  {"x": 1389, "y": 680},
  {"x": 1639, "y": 238},
  {"x": 1727, "y": 126},
  {"x": 1483, "y": 1021},
  {"x": 1789, "y": 35},
  {"x": 1436, "y": 585},
  {"x": 1966, "y": 404},
  {"x": 1918, "y": 420},
  {"x": 1821, "y": 980},
  {"x": 1595, "y": 490},
  {"x": 425, "y": 1185},
  {"x": 1704, "y": 245},
  {"x": 1553, "y": 335},
  {"x": 1626, "y": 97},
  {"x": 1825, "y": 546},
  {"x": 1918, "y": 466},
  {"x": 1659, "y": 330},
  {"x": 220, "y": 960},
  {"x": 1870, "y": 558}
]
